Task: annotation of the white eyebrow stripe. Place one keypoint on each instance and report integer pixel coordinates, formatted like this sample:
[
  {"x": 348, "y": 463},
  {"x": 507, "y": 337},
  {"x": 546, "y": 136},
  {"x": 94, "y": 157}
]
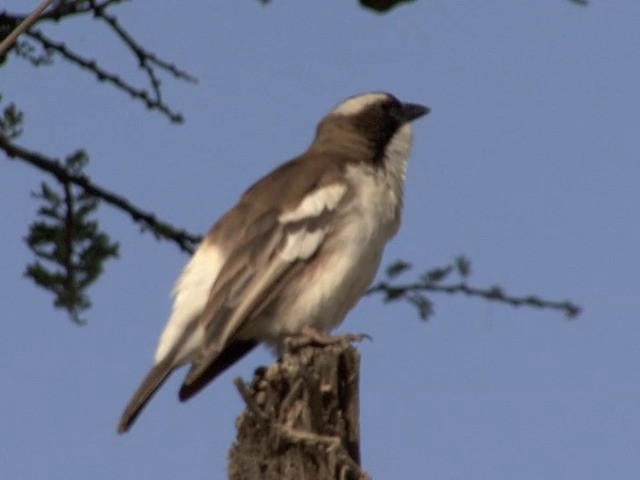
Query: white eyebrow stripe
[
  {"x": 355, "y": 105},
  {"x": 326, "y": 198}
]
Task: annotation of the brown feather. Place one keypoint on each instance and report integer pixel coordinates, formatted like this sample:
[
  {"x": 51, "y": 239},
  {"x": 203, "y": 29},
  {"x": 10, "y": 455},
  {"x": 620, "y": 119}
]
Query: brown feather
[
  {"x": 230, "y": 355},
  {"x": 154, "y": 380}
]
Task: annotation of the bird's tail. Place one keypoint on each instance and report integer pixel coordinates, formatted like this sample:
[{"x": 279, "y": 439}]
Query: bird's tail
[
  {"x": 154, "y": 379},
  {"x": 201, "y": 375}
]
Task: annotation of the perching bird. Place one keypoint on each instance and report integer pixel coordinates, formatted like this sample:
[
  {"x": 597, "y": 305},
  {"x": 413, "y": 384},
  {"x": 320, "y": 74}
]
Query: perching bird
[{"x": 295, "y": 253}]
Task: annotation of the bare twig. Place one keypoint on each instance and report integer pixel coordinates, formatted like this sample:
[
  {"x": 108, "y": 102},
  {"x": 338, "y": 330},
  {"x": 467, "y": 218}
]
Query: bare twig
[
  {"x": 70, "y": 9},
  {"x": 147, "y": 61},
  {"x": 162, "y": 230},
  {"x": 144, "y": 56},
  {"x": 492, "y": 294},
  {"x": 105, "y": 76},
  {"x": 32, "y": 18},
  {"x": 187, "y": 241},
  {"x": 68, "y": 238}
]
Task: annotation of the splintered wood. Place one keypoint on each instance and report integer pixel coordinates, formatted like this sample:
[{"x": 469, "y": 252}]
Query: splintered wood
[{"x": 302, "y": 417}]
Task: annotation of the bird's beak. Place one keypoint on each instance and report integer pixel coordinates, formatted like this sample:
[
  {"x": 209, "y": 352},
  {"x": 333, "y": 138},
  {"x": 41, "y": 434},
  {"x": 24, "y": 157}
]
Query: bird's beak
[{"x": 412, "y": 111}]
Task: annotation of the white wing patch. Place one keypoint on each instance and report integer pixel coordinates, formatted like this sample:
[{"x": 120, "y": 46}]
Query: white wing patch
[
  {"x": 190, "y": 296},
  {"x": 325, "y": 198},
  {"x": 301, "y": 244},
  {"x": 355, "y": 105}
]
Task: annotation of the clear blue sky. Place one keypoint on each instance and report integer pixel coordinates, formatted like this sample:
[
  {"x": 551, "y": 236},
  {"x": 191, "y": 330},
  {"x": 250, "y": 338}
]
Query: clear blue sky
[{"x": 529, "y": 164}]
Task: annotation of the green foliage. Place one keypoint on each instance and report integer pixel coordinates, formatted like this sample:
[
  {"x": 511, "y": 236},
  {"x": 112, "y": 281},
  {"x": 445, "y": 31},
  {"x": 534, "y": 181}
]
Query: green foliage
[
  {"x": 397, "y": 268},
  {"x": 10, "y": 121},
  {"x": 70, "y": 248},
  {"x": 36, "y": 54},
  {"x": 436, "y": 275},
  {"x": 422, "y": 304},
  {"x": 438, "y": 280},
  {"x": 463, "y": 266},
  {"x": 414, "y": 293}
]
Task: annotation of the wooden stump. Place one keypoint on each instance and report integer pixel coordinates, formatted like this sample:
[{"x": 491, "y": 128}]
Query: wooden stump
[{"x": 302, "y": 418}]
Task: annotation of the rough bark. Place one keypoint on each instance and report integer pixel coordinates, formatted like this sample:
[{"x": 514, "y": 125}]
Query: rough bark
[{"x": 302, "y": 418}]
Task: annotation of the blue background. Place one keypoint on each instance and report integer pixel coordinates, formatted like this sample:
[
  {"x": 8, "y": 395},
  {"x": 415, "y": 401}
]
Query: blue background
[{"x": 528, "y": 164}]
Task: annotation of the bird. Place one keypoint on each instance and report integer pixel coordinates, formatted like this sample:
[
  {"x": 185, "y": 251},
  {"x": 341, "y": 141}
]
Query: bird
[{"x": 296, "y": 252}]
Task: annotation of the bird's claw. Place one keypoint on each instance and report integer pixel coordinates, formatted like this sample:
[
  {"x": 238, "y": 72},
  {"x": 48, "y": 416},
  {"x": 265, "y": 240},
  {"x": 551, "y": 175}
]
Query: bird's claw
[{"x": 312, "y": 337}]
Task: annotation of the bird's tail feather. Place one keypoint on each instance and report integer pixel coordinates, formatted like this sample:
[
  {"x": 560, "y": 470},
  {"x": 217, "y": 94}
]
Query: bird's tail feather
[
  {"x": 230, "y": 355},
  {"x": 154, "y": 380}
]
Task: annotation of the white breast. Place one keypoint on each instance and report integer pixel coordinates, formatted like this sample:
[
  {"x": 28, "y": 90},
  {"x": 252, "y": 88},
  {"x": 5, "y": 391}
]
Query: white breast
[
  {"x": 346, "y": 265},
  {"x": 351, "y": 256}
]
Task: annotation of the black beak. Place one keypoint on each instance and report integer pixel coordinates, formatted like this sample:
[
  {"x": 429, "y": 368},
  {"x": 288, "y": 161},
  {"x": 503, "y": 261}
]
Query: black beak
[{"x": 412, "y": 111}]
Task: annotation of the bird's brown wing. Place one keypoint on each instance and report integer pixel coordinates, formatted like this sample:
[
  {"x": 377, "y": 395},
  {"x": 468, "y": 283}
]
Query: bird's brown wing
[
  {"x": 151, "y": 383},
  {"x": 233, "y": 352},
  {"x": 258, "y": 271}
]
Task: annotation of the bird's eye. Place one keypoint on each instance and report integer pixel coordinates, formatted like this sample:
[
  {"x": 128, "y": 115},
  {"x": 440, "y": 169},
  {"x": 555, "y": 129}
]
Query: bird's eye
[{"x": 393, "y": 108}]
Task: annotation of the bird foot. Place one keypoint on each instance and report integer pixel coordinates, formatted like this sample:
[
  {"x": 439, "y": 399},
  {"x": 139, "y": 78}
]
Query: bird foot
[{"x": 312, "y": 337}]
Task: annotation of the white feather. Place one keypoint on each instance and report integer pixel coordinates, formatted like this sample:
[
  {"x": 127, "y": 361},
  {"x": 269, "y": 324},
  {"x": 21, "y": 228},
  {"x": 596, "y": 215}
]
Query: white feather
[
  {"x": 301, "y": 244},
  {"x": 351, "y": 260},
  {"x": 350, "y": 255},
  {"x": 355, "y": 105},
  {"x": 315, "y": 203},
  {"x": 190, "y": 297},
  {"x": 396, "y": 157}
]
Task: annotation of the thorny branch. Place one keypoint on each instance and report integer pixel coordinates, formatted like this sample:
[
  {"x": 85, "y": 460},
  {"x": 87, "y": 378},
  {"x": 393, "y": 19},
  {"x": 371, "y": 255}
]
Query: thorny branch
[
  {"x": 13, "y": 25},
  {"x": 495, "y": 294},
  {"x": 161, "y": 229},
  {"x": 79, "y": 7},
  {"x": 149, "y": 63},
  {"x": 20, "y": 26},
  {"x": 145, "y": 57},
  {"x": 68, "y": 241},
  {"x": 187, "y": 242},
  {"x": 151, "y": 101}
]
